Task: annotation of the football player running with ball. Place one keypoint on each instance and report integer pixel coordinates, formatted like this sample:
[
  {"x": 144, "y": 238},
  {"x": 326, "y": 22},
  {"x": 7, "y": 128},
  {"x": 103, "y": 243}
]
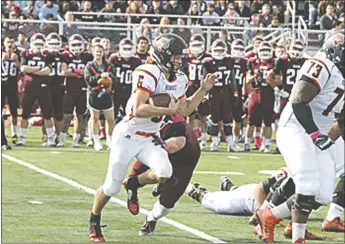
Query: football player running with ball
[
  {"x": 304, "y": 136},
  {"x": 133, "y": 136}
]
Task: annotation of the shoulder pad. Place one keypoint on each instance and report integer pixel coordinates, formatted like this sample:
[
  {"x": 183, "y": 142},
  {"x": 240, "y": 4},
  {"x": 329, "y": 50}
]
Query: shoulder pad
[
  {"x": 207, "y": 60},
  {"x": 284, "y": 57},
  {"x": 114, "y": 56}
]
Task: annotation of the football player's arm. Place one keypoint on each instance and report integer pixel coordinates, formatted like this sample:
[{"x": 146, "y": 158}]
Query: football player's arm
[
  {"x": 44, "y": 71},
  {"x": 25, "y": 68},
  {"x": 337, "y": 128},
  {"x": 90, "y": 78},
  {"x": 66, "y": 72}
]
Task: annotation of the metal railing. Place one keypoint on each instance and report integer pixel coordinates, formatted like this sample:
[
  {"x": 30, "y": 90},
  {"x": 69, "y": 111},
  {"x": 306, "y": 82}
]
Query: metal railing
[{"x": 291, "y": 8}]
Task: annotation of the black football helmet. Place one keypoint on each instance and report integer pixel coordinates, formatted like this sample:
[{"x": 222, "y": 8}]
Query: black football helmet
[
  {"x": 335, "y": 50},
  {"x": 166, "y": 51}
]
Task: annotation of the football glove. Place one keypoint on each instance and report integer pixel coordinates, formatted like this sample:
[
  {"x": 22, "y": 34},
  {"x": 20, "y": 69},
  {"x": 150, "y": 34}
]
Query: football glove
[{"x": 323, "y": 142}]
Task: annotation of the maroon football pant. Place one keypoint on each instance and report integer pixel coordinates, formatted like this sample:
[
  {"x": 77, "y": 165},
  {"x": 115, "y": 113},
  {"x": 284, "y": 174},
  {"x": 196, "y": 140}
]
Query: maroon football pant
[
  {"x": 57, "y": 95},
  {"x": 221, "y": 105},
  {"x": 11, "y": 93},
  {"x": 121, "y": 97},
  {"x": 184, "y": 163},
  {"x": 261, "y": 107},
  {"x": 40, "y": 93}
]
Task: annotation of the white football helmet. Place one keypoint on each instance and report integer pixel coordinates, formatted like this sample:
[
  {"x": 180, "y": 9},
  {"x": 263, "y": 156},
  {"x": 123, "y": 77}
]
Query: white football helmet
[
  {"x": 219, "y": 49},
  {"x": 265, "y": 51},
  {"x": 237, "y": 48},
  {"x": 37, "y": 42},
  {"x": 126, "y": 48},
  {"x": 53, "y": 42},
  {"x": 197, "y": 45},
  {"x": 76, "y": 44}
]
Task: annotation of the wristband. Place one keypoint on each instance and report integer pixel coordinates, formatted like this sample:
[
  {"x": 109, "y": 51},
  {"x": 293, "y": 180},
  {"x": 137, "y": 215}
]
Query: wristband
[{"x": 315, "y": 134}]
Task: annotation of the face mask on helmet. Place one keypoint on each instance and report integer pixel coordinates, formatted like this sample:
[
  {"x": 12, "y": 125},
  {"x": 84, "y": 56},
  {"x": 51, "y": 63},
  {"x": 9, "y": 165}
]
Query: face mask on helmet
[
  {"x": 37, "y": 43},
  {"x": 126, "y": 51},
  {"x": 219, "y": 50},
  {"x": 265, "y": 54},
  {"x": 54, "y": 45},
  {"x": 76, "y": 47},
  {"x": 296, "y": 50},
  {"x": 237, "y": 49}
]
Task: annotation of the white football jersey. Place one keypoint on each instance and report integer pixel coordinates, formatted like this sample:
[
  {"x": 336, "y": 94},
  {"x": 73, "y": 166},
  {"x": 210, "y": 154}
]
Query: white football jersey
[
  {"x": 330, "y": 100},
  {"x": 150, "y": 78}
]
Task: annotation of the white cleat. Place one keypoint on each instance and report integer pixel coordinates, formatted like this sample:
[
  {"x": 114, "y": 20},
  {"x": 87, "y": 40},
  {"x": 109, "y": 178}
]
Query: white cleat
[
  {"x": 240, "y": 149},
  {"x": 267, "y": 150},
  {"x": 90, "y": 143},
  {"x": 233, "y": 148},
  {"x": 262, "y": 148},
  {"x": 21, "y": 142},
  {"x": 61, "y": 144},
  {"x": 51, "y": 143},
  {"x": 75, "y": 144},
  {"x": 98, "y": 146},
  {"x": 203, "y": 145},
  {"x": 214, "y": 147}
]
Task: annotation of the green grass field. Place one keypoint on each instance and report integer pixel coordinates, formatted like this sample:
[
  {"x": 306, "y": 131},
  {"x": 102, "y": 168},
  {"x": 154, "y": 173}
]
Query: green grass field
[{"x": 63, "y": 211}]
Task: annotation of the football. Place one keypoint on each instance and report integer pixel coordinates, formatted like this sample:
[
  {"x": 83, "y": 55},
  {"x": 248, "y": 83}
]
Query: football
[
  {"x": 107, "y": 82},
  {"x": 160, "y": 100}
]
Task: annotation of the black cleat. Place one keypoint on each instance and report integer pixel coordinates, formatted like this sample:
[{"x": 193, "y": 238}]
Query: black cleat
[
  {"x": 246, "y": 147},
  {"x": 225, "y": 183},
  {"x": 148, "y": 228},
  {"x": 157, "y": 190},
  {"x": 195, "y": 191},
  {"x": 6, "y": 147},
  {"x": 14, "y": 139}
]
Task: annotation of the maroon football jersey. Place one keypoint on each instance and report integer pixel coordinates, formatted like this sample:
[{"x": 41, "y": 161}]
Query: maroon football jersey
[
  {"x": 255, "y": 66},
  {"x": 240, "y": 71},
  {"x": 221, "y": 68},
  {"x": 76, "y": 84},
  {"x": 9, "y": 72},
  {"x": 143, "y": 56},
  {"x": 288, "y": 68},
  {"x": 195, "y": 68},
  {"x": 124, "y": 69},
  {"x": 30, "y": 58},
  {"x": 56, "y": 78}
]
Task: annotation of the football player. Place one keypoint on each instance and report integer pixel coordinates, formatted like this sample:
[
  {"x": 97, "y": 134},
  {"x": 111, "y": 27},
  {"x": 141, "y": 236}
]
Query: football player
[
  {"x": 222, "y": 94},
  {"x": 134, "y": 135},
  {"x": 9, "y": 79},
  {"x": 36, "y": 66},
  {"x": 53, "y": 47},
  {"x": 124, "y": 63},
  {"x": 195, "y": 59},
  {"x": 240, "y": 72},
  {"x": 73, "y": 66},
  {"x": 304, "y": 136},
  {"x": 142, "y": 48},
  {"x": 261, "y": 104}
]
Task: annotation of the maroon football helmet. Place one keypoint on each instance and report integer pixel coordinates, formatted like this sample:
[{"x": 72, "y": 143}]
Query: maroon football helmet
[
  {"x": 197, "y": 45},
  {"x": 76, "y": 44}
]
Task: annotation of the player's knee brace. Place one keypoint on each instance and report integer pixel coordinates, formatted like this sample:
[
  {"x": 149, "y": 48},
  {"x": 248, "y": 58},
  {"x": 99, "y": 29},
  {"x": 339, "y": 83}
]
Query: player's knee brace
[
  {"x": 339, "y": 194},
  {"x": 227, "y": 128},
  {"x": 283, "y": 192},
  {"x": 214, "y": 129},
  {"x": 305, "y": 204}
]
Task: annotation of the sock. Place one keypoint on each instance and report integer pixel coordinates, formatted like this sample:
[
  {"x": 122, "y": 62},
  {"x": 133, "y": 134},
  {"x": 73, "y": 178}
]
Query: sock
[
  {"x": 14, "y": 129},
  {"x": 266, "y": 142},
  {"x": 197, "y": 132},
  {"x": 243, "y": 132},
  {"x": 22, "y": 132},
  {"x": 298, "y": 231},
  {"x": 334, "y": 211},
  {"x": 236, "y": 139},
  {"x": 76, "y": 136},
  {"x": 230, "y": 140},
  {"x": 50, "y": 132},
  {"x": 282, "y": 211},
  {"x": 256, "y": 134},
  {"x": 158, "y": 211},
  {"x": 215, "y": 139},
  {"x": 62, "y": 136},
  {"x": 133, "y": 182},
  {"x": 264, "y": 205},
  {"x": 204, "y": 137},
  {"x": 247, "y": 140},
  {"x": 95, "y": 218},
  {"x": 108, "y": 139}
]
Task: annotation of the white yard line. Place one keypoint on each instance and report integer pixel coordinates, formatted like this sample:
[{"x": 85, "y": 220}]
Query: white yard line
[
  {"x": 70, "y": 182},
  {"x": 217, "y": 173}
]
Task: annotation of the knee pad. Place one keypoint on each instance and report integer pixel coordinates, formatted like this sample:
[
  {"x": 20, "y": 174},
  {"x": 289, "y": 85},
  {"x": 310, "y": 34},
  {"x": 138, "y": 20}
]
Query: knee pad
[
  {"x": 214, "y": 129},
  {"x": 305, "y": 204},
  {"x": 227, "y": 129},
  {"x": 111, "y": 188},
  {"x": 339, "y": 194},
  {"x": 283, "y": 192}
]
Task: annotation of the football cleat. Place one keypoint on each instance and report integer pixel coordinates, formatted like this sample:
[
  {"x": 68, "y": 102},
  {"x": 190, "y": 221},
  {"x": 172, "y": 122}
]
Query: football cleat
[
  {"x": 21, "y": 142},
  {"x": 90, "y": 143},
  {"x": 98, "y": 146},
  {"x": 157, "y": 190},
  {"x": 333, "y": 226},
  {"x": 75, "y": 143},
  {"x": 233, "y": 148},
  {"x": 267, "y": 223},
  {"x": 6, "y": 147},
  {"x": 300, "y": 240},
  {"x": 214, "y": 147},
  {"x": 61, "y": 144},
  {"x": 225, "y": 183},
  {"x": 148, "y": 228},
  {"x": 308, "y": 235},
  {"x": 257, "y": 231},
  {"x": 14, "y": 139},
  {"x": 195, "y": 191},
  {"x": 96, "y": 232},
  {"x": 132, "y": 197},
  {"x": 51, "y": 143},
  {"x": 203, "y": 145},
  {"x": 246, "y": 147},
  {"x": 262, "y": 148}
]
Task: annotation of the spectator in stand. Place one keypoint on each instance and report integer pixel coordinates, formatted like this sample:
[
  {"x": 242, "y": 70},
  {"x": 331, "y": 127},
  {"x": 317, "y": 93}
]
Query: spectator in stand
[
  {"x": 274, "y": 23},
  {"x": 339, "y": 8},
  {"x": 30, "y": 28},
  {"x": 39, "y": 4},
  {"x": 108, "y": 8},
  {"x": 323, "y": 6},
  {"x": 73, "y": 6},
  {"x": 31, "y": 9},
  {"x": 11, "y": 28},
  {"x": 202, "y": 6},
  {"x": 183, "y": 32},
  {"x": 210, "y": 13},
  {"x": 194, "y": 11},
  {"x": 86, "y": 17},
  {"x": 63, "y": 8},
  {"x": 221, "y": 7},
  {"x": 49, "y": 27},
  {"x": 69, "y": 29},
  {"x": 22, "y": 44},
  {"x": 174, "y": 8},
  {"x": 266, "y": 17},
  {"x": 120, "y": 6},
  {"x": 231, "y": 16},
  {"x": 142, "y": 6},
  {"x": 242, "y": 10},
  {"x": 156, "y": 8},
  {"x": 277, "y": 9},
  {"x": 311, "y": 13},
  {"x": 224, "y": 35},
  {"x": 338, "y": 25},
  {"x": 252, "y": 31},
  {"x": 162, "y": 29},
  {"x": 256, "y": 7},
  {"x": 49, "y": 8},
  {"x": 10, "y": 7},
  {"x": 326, "y": 21},
  {"x": 145, "y": 30},
  {"x": 133, "y": 9}
]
